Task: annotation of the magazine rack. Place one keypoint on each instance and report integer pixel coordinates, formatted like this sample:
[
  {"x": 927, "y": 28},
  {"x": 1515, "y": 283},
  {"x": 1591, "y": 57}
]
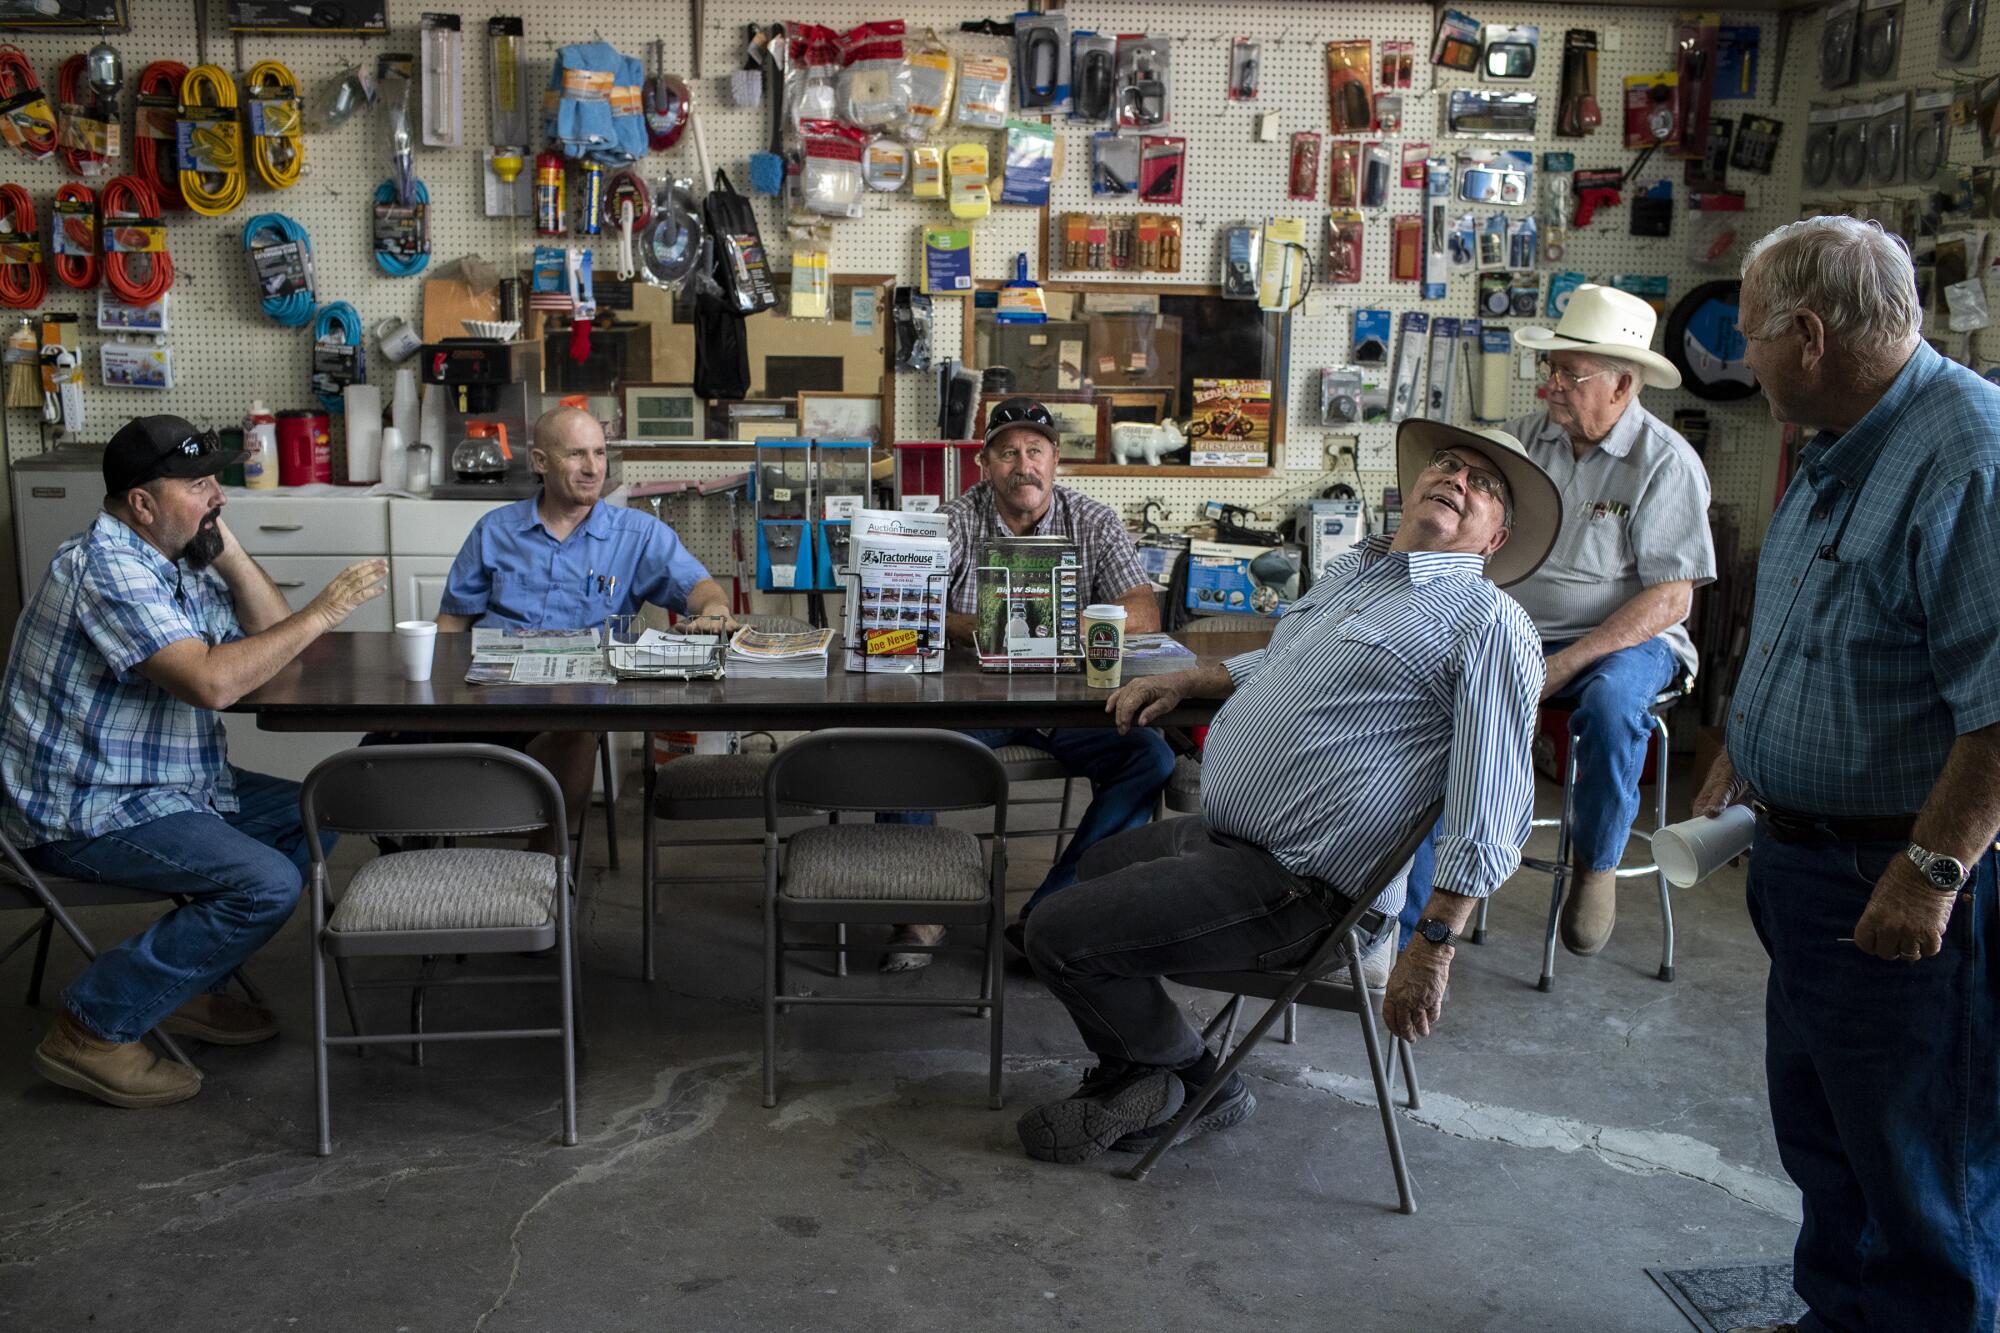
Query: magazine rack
[
  {"x": 1054, "y": 665},
  {"x": 930, "y": 638}
]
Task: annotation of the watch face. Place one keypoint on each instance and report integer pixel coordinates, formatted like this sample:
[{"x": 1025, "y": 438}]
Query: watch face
[{"x": 1944, "y": 873}]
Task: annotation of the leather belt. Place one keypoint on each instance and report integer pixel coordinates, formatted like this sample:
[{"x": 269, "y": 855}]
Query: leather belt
[{"x": 1790, "y": 826}]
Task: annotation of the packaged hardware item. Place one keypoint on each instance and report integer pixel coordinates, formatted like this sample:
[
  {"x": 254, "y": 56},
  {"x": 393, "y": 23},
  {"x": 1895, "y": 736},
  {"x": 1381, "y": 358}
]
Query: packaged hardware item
[
  {"x": 873, "y": 88},
  {"x": 1030, "y": 163},
  {"x": 1093, "y": 72},
  {"x": 1029, "y": 593},
  {"x": 1228, "y": 577},
  {"x": 933, "y": 76},
  {"x": 1343, "y": 165},
  {"x": 1145, "y": 81},
  {"x": 1343, "y": 247},
  {"x": 1245, "y": 69},
  {"x": 1457, "y": 43},
  {"x": 1305, "y": 165},
  {"x": 1115, "y": 158},
  {"x": 1242, "y": 253},
  {"x": 1041, "y": 61},
  {"x": 897, "y": 582},
  {"x": 1349, "y": 90},
  {"x": 1162, "y": 168},
  {"x": 982, "y": 92},
  {"x": 830, "y": 179}
]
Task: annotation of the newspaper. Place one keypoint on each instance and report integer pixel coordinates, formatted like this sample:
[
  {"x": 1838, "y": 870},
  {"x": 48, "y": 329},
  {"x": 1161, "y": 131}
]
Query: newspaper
[
  {"x": 758, "y": 653},
  {"x": 537, "y": 657},
  {"x": 894, "y": 619}
]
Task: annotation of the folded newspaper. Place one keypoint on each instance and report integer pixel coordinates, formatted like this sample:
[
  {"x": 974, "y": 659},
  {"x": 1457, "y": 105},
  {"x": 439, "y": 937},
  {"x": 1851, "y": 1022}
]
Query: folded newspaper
[
  {"x": 759, "y": 653},
  {"x": 900, "y": 572},
  {"x": 537, "y": 657}
]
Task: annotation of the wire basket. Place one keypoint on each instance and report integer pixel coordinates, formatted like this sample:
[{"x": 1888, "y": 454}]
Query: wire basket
[{"x": 634, "y": 650}]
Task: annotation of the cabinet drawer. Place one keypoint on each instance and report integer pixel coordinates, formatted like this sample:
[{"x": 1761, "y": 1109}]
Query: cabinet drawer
[
  {"x": 300, "y": 578},
  {"x": 309, "y": 525},
  {"x": 435, "y": 527}
]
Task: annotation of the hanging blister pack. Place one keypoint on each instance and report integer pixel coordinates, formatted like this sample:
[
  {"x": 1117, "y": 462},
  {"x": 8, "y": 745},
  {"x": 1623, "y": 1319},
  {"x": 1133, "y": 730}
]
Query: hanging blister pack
[
  {"x": 1343, "y": 247},
  {"x": 1479, "y": 114},
  {"x": 1464, "y": 243},
  {"x": 1349, "y": 91},
  {"x": 1444, "y": 368},
  {"x": 812, "y": 75},
  {"x": 1558, "y": 198},
  {"x": 1888, "y": 135},
  {"x": 1437, "y": 228},
  {"x": 1145, "y": 82},
  {"x": 1030, "y": 163},
  {"x": 1242, "y": 257},
  {"x": 1930, "y": 137},
  {"x": 830, "y": 177},
  {"x": 1245, "y": 69},
  {"x": 1878, "y": 41},
  {"x": 982, "y": 92},
  {"x": 1560, "y": 287},
  {"x": 1162, "y": 168},
  {"x": 1959, "y": 26},
  {"x": 1493, "y": 243},
  {"x": 1304, "y": 175},
  {"x": 873, "y": 89},
  {"x": 1756, "y": 145},
  {"x": 1850, "y": 144},
  {"x": 1114, "y": 165},
  {"x": 1405, "y": 397},
  {"x": 1376, "y": 165},
  {"x": 1041, "y": 61},
  {"x": 1341, "y": 390},
  {"x": 1093, "y": 74},
  {"x": 933, "y": 76},
  {"x": 1523, "y": 245},
  {"x": 1839, "y": 37},
  {"x": 1816, "y": 163},
  {"x": 1490, "y": 176},
  {"x": 1343, "y": 165}
]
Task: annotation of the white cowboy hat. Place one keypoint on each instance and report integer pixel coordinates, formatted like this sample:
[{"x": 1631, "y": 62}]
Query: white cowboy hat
[
  {"x": 1537, "y": 501},
  {"x": 1609, "y": 323}
]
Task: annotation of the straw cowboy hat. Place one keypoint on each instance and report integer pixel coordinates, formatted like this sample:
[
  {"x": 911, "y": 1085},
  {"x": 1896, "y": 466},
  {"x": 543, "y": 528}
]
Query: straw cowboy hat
[
  {"x": 1607, "y": 322},
  {"x": 1537, "y": 502}
]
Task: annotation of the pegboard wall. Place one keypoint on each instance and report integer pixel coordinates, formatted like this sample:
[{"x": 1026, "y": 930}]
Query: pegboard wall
[{"x": 226, "y": 351}]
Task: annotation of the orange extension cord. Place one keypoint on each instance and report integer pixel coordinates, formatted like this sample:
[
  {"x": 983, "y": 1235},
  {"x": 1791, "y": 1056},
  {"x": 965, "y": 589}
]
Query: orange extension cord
[
  {"x": 69, "y": 92},
  {"x": 130, "y": 197},
  {"x": 18, "y": 76},
  {"x": 78, "y": 271},
  {"x": 157, "y": 161},
  {"x": 22, "y": 286}
]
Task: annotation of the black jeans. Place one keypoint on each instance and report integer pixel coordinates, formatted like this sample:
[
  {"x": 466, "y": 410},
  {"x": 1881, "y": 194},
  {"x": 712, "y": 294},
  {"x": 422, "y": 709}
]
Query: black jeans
[{"x": 1169, "y": 897}]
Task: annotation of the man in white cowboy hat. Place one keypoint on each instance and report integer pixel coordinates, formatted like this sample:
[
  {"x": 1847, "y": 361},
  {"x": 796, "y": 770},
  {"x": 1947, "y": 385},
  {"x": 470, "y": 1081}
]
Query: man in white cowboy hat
[
  {"x": 1610, "y": 600},
  {"x": 1402, "y": 676}
]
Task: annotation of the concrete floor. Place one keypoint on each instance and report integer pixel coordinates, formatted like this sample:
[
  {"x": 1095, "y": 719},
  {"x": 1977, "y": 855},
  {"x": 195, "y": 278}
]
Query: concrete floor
[{"x": 1567, "y": 1141}]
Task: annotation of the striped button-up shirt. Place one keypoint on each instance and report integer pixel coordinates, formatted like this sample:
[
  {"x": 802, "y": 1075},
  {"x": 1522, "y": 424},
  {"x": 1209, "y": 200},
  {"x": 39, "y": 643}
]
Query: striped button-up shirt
[
  {"x": 1105, "y": 550},
  {"x": 87, "y": 744},
  {"x": 1399, "y": 677},
  {"x": 1876, "y": 638}
]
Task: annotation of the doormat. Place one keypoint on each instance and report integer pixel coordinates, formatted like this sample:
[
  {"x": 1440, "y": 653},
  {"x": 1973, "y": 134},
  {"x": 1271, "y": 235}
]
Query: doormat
[{"x": 1716, "y": 1300}]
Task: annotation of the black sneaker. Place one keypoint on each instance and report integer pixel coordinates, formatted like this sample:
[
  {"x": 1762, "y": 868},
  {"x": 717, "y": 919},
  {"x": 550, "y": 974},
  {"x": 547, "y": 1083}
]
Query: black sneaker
[
  {"x": 1104, "y": 1110},
  {"x": 1232, "y": 1104}
]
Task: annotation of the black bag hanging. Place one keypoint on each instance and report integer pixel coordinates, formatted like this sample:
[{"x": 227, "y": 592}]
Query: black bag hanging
[
  {"x": 721, "y": 351},
  {"x": 739, "y": 249}
]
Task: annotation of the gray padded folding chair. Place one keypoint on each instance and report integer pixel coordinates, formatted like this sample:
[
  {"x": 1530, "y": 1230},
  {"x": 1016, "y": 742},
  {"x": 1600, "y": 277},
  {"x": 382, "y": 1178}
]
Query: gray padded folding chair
[
  {"x": 697, "y": 787},
  {"x": 604, "y": 762},
  {"x": 1307, "y": 986},
  {"x": 884, "y": 872},
  {"x": 442, "y": 902}
]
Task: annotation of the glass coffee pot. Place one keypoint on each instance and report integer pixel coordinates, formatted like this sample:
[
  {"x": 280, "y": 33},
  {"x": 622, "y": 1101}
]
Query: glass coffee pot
[{"x": 483, "y": 454}]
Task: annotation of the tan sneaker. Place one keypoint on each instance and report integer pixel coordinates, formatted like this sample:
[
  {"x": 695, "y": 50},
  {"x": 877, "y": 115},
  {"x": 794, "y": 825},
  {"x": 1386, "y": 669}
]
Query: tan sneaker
[
  {"x": 222, "y": 1020},
  {"x": 117, "y": 1073},
  {"x": 1376, "y": 963},
  {"x": 903, "y": 960},
  {"x": 1590, "y": 910}
]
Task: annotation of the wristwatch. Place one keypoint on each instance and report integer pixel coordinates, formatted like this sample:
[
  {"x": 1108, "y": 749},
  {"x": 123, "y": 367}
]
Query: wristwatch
[
  {"x": 1437, "y": 932},
  {"x": 1944, "y": 873}
]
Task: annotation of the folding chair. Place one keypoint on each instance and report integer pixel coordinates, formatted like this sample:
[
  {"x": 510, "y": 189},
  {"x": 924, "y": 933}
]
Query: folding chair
[
  {"x": 1306, "y": 986},
  {"x": 604, "y": 762},
  {"x": 884, "y": 872},
  {"x": 445, "y": 901}
]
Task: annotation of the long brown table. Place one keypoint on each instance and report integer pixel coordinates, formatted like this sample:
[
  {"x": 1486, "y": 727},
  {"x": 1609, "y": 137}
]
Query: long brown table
[{"x": 351, "y": 682}]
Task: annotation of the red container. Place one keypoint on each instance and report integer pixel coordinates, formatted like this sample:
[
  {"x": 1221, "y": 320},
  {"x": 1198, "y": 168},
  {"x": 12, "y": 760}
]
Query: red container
[{"x": 305, "y": 448}]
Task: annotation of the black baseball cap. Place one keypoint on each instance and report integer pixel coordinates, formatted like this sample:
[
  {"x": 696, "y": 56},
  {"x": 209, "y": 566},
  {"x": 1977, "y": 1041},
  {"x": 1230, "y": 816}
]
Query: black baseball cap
[
  {"x": 1021, "y": 410},
  {"x": 147, "y": 448}
]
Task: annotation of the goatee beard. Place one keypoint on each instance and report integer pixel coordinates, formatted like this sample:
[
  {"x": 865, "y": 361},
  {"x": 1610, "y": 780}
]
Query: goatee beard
[{"x": 204, "y": 547}]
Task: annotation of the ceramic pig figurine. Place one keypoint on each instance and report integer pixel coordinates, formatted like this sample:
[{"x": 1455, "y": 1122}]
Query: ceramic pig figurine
[{"x": 1135, "y": 441}]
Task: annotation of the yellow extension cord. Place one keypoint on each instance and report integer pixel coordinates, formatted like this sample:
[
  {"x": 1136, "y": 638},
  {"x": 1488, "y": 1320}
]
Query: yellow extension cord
[
  {"x": 211, "y": 86},
  {"x": 277, "y": 163}
]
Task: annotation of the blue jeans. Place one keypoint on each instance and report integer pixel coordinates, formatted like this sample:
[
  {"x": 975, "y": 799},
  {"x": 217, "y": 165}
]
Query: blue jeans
[
  {"x": 241, "y": 874},
  {"x": 1611, "y": 726},
  {"x": 1423, "y": 869},
  {"x": 1126, "y": 774},
  {"x": 1884, "y": 1078}
]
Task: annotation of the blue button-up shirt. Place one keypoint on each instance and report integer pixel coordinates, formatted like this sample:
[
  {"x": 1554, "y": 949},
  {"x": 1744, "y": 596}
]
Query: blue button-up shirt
[
  {"x": 88, "y": 744},
  {"x": 1399, "y": 677},
  {"x": 513, "y": 574},
  {"x": 1876, "y": 637}
]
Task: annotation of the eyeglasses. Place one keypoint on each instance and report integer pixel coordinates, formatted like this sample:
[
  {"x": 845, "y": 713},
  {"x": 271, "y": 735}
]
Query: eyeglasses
[
  {"x": 197, "y": 446},
  {"x": 1018, "y": 411},
  {"x": 1487, "y": 483},
  {"x": 1557, "y": 378}
]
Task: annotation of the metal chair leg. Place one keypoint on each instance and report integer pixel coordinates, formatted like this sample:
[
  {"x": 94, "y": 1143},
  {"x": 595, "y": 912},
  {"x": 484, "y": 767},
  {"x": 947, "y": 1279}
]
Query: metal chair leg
[
  {"x": 41, "y": 959},
  {"x": 1561, "y": 871},
  {"x": 1193, "y": 1109},
  {"x": 993, "y": 988},
  {"x": 1660, "y": 822},
  {"x": 1062, "y": 819},
  {"x": 1407, "y": 1199},
  {"x": 1291, "y": 1035},
  {"x": 1479, "y": 923},
  {"x": 1409, "y": 1073},
  {"x": 649, "y": 862},
  {"x": 321, "y": 1096},
  {"x": 771, "y": 963},
  {"x": 610, "y": 800},
  {"x": 565, "y": 948},
  {"x": 840, "y": 940}
]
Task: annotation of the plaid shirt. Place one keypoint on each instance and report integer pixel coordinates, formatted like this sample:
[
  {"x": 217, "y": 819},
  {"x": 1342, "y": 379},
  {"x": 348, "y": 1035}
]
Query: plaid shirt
[
  {"x": 87, "y": 744},
  {"x": 1106, "y": 552},
  {"x": 1876, "y": 637}
]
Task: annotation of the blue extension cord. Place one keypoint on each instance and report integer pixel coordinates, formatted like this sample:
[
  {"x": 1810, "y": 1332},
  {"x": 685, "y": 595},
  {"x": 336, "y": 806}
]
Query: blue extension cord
[
  {"x": 385, "y": 193},
  {"x": 295, "y": 309},
  {"x": 349, "y": 321}
]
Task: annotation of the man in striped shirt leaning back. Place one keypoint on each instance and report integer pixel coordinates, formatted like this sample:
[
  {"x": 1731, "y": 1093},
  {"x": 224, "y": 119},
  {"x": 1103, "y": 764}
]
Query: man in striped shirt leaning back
[{"x": 1403, "y": 675}]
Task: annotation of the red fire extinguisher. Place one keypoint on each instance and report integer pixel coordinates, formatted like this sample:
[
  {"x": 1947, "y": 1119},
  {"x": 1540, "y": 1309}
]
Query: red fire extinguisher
[{"x": 551, "y": 208}]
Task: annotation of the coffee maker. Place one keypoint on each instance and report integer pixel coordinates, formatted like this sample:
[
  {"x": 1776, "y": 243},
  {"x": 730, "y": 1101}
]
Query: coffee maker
[{"x": 487, "y": 383}]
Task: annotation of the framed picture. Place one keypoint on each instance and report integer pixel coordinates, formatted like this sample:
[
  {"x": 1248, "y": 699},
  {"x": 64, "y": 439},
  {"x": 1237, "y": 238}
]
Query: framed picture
[
  {"x": 840, "y": 416},
  {"x": 1083, "y": 422},
  {"x": 664, "y": 412},
  {"x": 1148, "y": 406},
  {"x": 752, "y": 429}
]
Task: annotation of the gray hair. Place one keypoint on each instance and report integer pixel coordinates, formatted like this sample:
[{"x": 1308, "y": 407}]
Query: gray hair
[{"x": 1855, "y": 276}]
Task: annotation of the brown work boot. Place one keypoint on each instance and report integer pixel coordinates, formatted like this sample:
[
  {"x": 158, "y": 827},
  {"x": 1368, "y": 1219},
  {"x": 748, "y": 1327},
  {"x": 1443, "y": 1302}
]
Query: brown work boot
[
  {"x": 119, "y": 1073},
  {"x": 222, "y": 1020},
  {"x": 1590, "y": 910}
]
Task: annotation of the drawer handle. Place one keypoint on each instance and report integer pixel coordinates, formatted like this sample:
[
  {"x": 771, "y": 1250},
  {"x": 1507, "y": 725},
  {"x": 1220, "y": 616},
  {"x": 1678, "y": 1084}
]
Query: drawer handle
[
  {"x": 288, "y": 583},
  {"x": 281, "y": 527}
]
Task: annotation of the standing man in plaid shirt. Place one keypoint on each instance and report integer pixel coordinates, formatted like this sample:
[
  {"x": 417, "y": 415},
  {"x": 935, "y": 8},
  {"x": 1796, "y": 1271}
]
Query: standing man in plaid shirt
[
  {"x": 116, "y": 766},
  {"x": 1019, "y": 497}
]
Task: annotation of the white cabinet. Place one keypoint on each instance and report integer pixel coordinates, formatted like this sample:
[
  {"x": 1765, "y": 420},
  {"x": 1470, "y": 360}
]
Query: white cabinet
[
  {"x": 300, "y": 578},
  {"x": 417, "y": 585},
  {"x": 283, "y": 524}
]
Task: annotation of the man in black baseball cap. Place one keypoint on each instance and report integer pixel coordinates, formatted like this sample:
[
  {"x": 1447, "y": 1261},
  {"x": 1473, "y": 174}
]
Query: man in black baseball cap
[{"x": 143, "y": 627}]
